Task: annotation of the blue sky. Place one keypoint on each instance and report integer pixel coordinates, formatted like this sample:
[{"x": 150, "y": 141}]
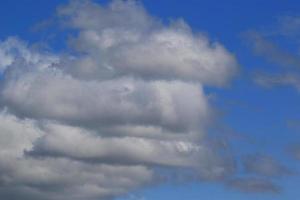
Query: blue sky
[{"x": 258, "y": 111}]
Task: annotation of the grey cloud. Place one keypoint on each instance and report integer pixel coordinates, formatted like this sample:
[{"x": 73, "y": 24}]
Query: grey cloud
[
  {"x": 60, "y": 176},
  {"x": 289, "y": 26},
  {"x": 57, "y": 177},
  {"x": 272, "y": 80},
  {"x": 264, "y": 165},
  {"x": 293, "y": 124},
  {"x": 14, "y": 50},
  {"x": 295, "y": 151},
  {"x": 58, "y": 96},
  {"x": 250, "y": 184},
  {"x": 204, "y": 160},
  {"x": 271, "y": 51},
  {"x": 95, "y": 124},
  {"x": 117, "y": 101},
  {"x": 262, "y": 43},
  {"x": 123, "y": 39}
]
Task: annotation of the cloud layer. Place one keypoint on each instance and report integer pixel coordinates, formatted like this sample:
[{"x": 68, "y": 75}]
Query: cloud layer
[{"x": 103, "y": 119}]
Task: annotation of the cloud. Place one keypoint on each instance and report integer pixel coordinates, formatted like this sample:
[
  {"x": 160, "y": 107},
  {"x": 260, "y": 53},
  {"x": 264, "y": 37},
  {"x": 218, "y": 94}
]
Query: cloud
[
  {"x": 289, "y": 26},
  {"x": 295, "y": 151},
  {"x": 264, "y": 165},
  {"x": 93, "y": 103},
  {"x": 270, "y": 51},
  {"x": 120, "y": 151},
  {"x": 272, "y": 80},
  {"x": 254, "y": 185},
  {"x": 263, "y": 46},
  {"x": 53, "y": 177},
  {"x": 123, "y": 39},
  {"x": 104, "y": 118}
]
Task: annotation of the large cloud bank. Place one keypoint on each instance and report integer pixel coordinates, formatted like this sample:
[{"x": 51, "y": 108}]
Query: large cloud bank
[{"x": 103, "y": 121}]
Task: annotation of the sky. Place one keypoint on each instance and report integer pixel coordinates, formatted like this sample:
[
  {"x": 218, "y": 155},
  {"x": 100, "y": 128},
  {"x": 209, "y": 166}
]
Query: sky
[{"x": 149, "y": 100}]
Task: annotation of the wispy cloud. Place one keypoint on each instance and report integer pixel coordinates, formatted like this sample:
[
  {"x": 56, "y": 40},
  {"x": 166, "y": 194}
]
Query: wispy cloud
[
  {"x": 263, "y": 44},
  {"x": 270, "y": 51},
  {"x": 264, "y": 165},
  {"x": 254, "y": 185},
  {"x": 294, "y": 150},
  {"x": 272, "y": 80}
]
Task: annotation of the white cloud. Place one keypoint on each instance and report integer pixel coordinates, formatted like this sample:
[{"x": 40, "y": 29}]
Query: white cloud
[
  {"x": 49, "y": 94},
  {"x": 59, "y": 174},
  {"x": 97, "y": 123},
  {"x": 124, "y": 40}
]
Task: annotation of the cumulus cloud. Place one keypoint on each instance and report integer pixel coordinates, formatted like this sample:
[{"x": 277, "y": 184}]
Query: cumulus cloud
[
  {"x": 41, "y": 178},
  {"x": 126, "y": 100},
  {"x": 123, "y": 39},
  {"x": 54, "y": 95}
]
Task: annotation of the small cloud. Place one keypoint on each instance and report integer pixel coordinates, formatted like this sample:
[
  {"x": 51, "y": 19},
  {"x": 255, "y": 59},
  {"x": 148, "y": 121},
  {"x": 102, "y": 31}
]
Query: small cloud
[
  {"x": 272, "y": 80},
  {"x": 294, "y": 150},
  {"x": 264, "y": 165},
  {"x": 293, "y": 124},
  {"x": 270, "y": 51},
  {"x": 256, "y": 185},
  {"x": 289, "y": 26}
]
